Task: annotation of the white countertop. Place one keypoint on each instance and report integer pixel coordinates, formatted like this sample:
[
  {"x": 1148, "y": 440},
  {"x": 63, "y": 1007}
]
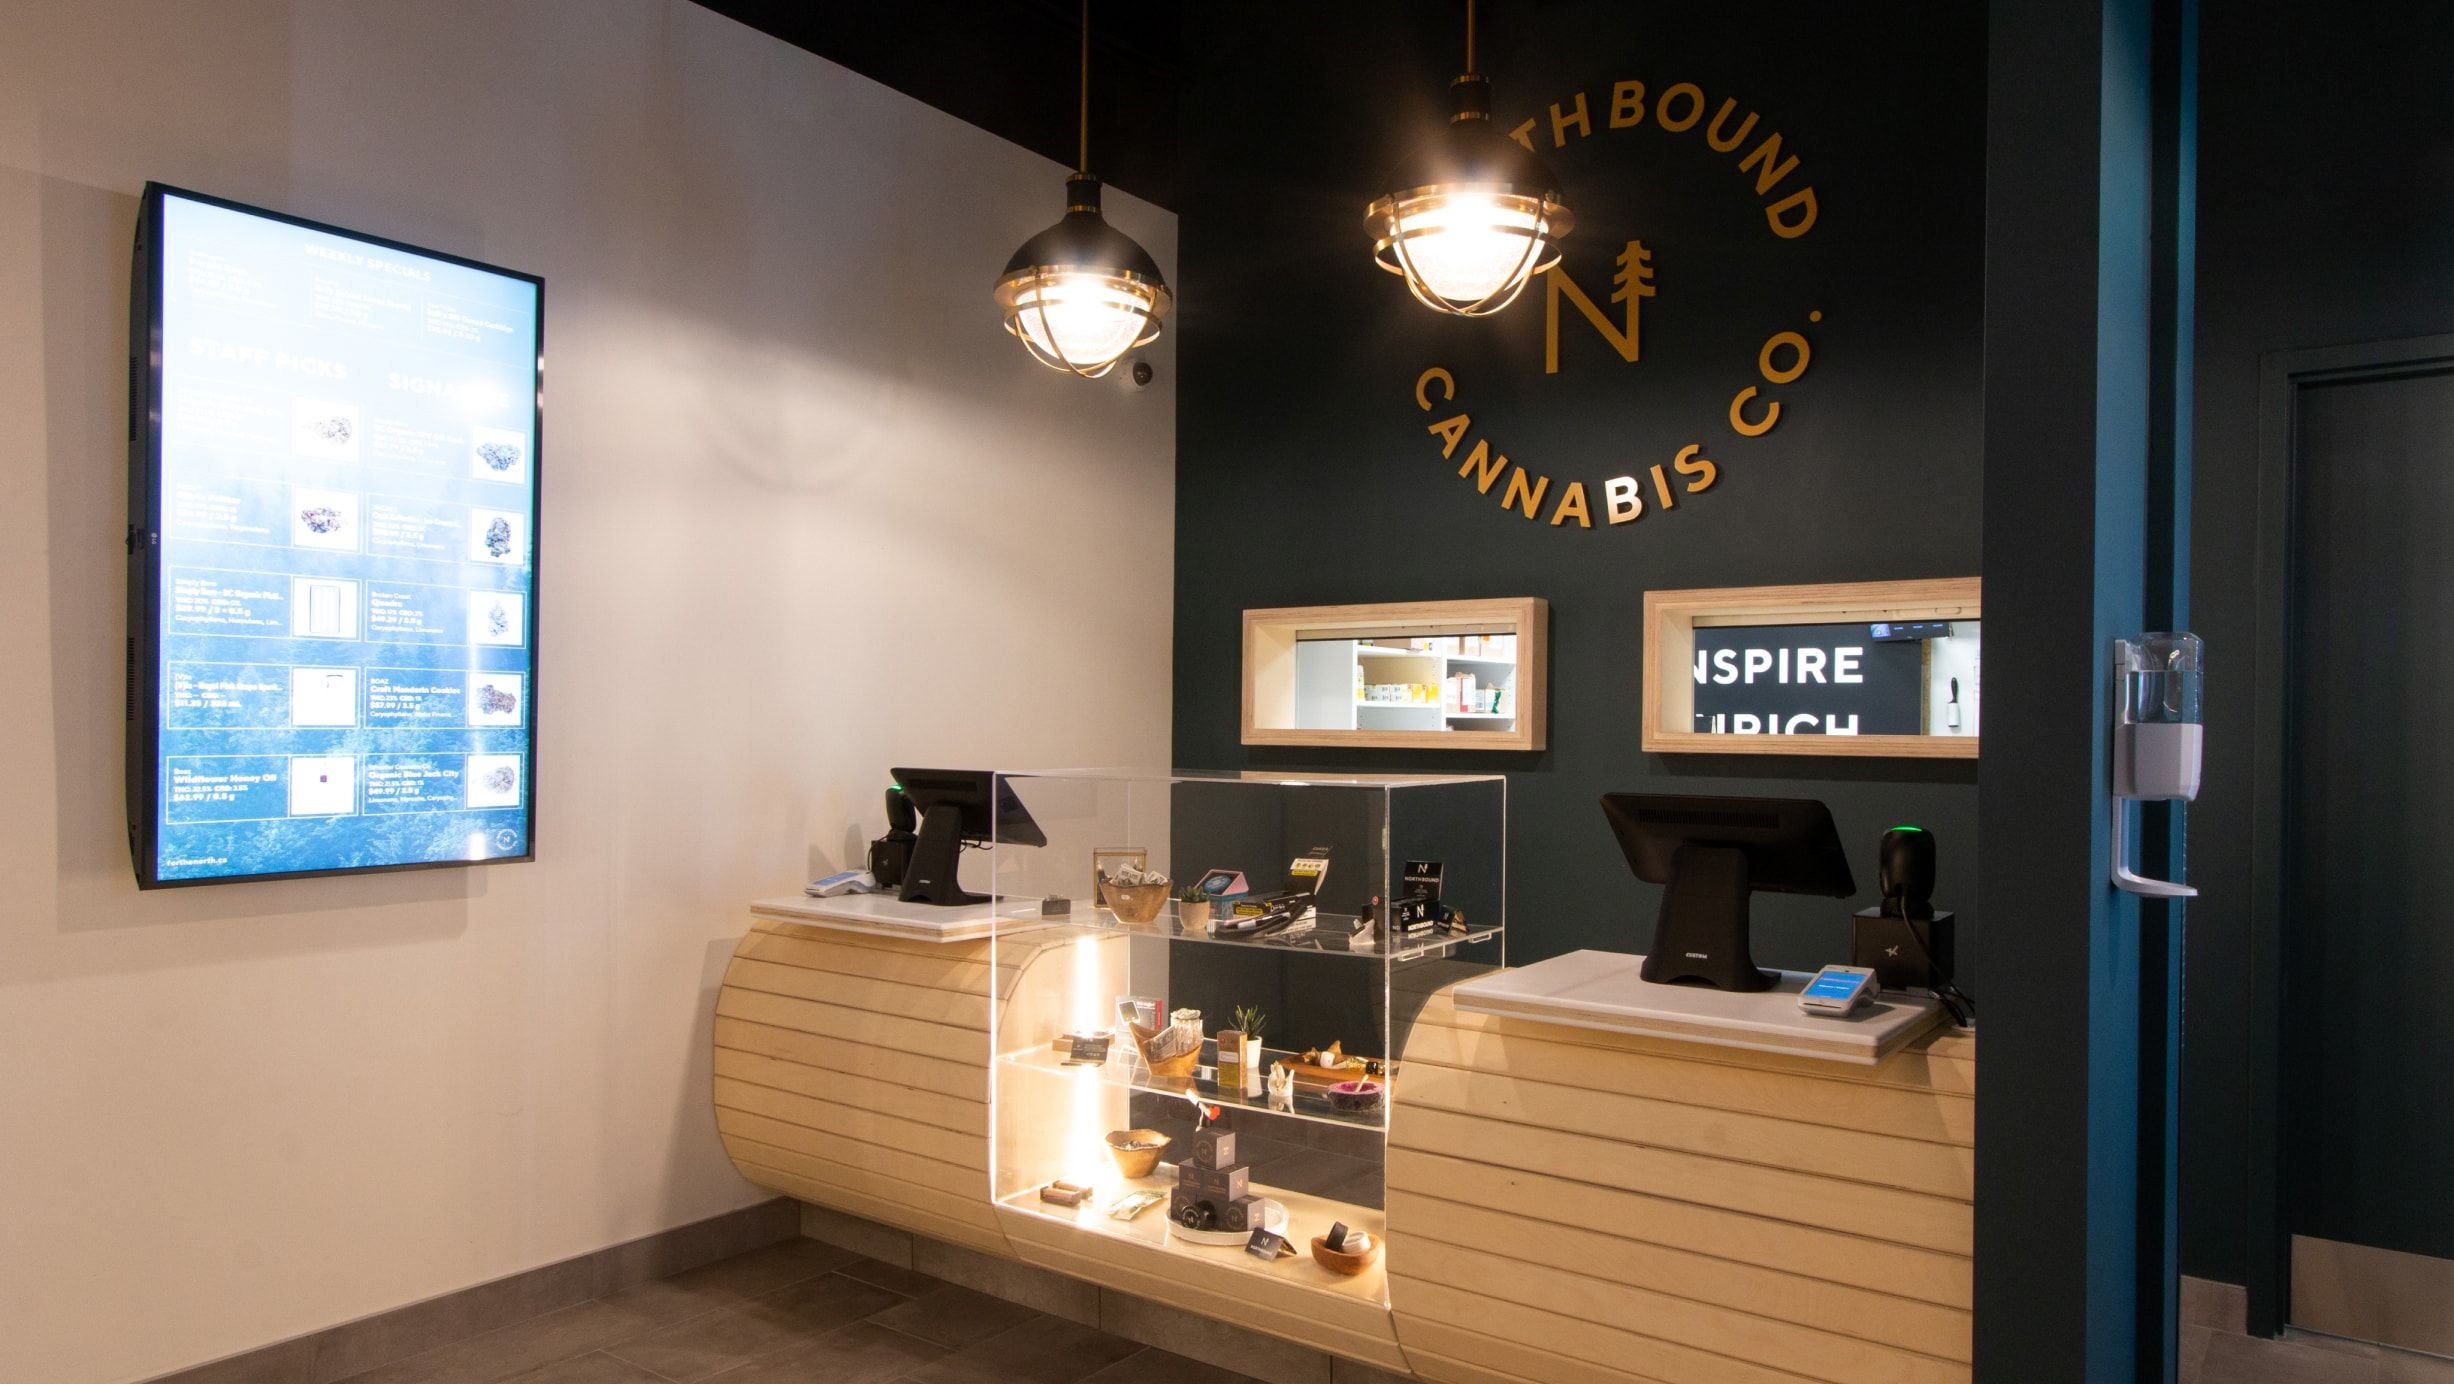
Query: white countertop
[
  {"x": 1602, "y": 990},
  {"x": 887, "y": 916}
]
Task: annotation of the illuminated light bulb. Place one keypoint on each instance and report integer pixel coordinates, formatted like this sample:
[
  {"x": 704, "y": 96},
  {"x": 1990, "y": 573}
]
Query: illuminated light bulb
[
  {"x": 1081, "y": 321},
  {"x": 1472, "y": 216},
  {"x": 1471, "y": 248}
]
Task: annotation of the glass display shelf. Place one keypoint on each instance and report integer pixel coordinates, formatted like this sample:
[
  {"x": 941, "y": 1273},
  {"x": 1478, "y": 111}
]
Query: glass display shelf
[
  {"x": 1121, "y": 1070},
  {"x": 1333, "y": 934},
  {"x": 1307, "y": 1216},
  {"x": 1138, "y": 965}
]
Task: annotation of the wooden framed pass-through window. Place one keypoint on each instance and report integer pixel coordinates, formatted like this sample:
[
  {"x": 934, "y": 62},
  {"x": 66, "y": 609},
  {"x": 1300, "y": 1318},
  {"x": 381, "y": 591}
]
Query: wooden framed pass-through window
[
  {"x": 1431, "y": 675},
  {"x": 1862, "y": 668}
]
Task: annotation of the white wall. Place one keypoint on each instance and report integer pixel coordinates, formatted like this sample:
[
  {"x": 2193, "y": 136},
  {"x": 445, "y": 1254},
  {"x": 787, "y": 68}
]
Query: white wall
[{"x": 807, "y": 511}]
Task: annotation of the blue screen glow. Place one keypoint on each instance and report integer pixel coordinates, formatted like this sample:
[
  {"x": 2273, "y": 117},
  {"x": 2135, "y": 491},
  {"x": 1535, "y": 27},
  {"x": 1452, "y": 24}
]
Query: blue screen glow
[{"x": 347, "y": 521}]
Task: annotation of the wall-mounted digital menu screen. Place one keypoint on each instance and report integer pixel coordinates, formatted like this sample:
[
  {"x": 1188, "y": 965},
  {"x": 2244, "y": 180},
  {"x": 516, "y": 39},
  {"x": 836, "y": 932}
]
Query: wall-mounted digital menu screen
[{"x": 333, "y": 581}]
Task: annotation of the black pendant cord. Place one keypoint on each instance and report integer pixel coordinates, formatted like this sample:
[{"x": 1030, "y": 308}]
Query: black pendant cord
[
  {"x": 1469, "y": 38},
  {"x": 1082, "y": 156}
]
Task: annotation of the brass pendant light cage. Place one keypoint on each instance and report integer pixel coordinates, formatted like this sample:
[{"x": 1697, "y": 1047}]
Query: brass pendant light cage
[
  {"x": 1082, "y": 294},
  {"x": 1472, "y": 216}
]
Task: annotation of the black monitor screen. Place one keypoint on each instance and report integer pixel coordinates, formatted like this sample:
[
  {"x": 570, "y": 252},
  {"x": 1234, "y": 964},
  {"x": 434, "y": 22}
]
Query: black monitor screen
[
  {"x": 1790, "y": 844},
  {"x": 970, "y": 792}
]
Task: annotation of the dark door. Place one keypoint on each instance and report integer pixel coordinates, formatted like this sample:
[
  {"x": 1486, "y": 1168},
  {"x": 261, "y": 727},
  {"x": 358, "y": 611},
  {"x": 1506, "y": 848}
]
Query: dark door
[{"x": 2367, "y": 876}]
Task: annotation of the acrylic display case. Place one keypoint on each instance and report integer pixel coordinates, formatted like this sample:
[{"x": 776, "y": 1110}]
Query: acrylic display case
[{"x": 1307, "y": 1158}]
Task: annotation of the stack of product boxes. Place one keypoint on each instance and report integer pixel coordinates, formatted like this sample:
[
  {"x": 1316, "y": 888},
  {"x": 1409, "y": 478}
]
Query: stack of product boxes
[{"x": 1213, "y": 1190}]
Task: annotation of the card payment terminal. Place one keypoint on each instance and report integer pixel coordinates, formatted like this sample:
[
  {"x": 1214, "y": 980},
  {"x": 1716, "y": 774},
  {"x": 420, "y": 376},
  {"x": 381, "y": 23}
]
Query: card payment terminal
[{"x": 1838, "y": 990}]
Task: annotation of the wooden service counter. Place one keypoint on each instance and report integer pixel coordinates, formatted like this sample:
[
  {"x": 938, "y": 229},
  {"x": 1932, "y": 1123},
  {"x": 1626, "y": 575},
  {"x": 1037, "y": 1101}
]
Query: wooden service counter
[
  {"x": 1566, "y": 1203},
  {"x": 852, "y": 1063}
]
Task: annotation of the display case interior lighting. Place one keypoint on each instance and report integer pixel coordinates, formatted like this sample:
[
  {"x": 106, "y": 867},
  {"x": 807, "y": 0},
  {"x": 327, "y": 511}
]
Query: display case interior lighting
[
  {"x": 1093, "y": 1012},
  {"x": 1088, "y": 1113},
  {"x": 1471, "y": 216},
  {"x": 1082, "y": 293}
]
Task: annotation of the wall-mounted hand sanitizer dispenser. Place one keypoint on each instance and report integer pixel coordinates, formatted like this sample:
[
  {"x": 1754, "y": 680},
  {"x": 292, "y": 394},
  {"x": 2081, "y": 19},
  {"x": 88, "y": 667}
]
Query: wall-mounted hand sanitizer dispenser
[{"x": 2157, "y": 738}]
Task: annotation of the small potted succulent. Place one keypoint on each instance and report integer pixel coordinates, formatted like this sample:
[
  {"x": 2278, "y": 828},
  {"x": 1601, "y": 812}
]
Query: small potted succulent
[{"x": 1193, "y": 906}]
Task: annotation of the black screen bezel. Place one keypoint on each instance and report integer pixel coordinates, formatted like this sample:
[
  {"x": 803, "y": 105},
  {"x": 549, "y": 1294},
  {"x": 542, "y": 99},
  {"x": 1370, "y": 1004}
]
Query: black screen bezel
[{"x": 144, "y": 543}]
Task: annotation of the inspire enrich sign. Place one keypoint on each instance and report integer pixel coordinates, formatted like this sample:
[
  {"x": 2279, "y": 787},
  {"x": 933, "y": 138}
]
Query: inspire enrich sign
[{"x": 1807, "y": 680}]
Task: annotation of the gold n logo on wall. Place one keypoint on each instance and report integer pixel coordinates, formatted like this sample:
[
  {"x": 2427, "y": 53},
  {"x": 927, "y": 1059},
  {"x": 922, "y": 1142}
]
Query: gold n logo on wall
[
  {"x": 1631, "y": 285},
  {"x": 1684, "y": 471}
]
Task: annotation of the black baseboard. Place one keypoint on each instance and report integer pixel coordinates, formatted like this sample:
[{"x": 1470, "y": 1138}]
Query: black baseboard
[{"x": 337, "y": 1352}]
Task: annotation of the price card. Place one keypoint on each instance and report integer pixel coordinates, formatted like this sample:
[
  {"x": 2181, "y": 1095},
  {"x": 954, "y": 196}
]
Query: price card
[{"x": 1266, "y": 1245}]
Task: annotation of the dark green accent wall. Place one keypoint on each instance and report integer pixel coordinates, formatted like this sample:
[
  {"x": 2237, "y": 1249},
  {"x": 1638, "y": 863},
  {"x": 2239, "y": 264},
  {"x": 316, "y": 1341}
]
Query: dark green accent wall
[
  {"x": 2072, "y": 1187},
  {"x": 2326, "y": 175},
  {"x": 1305, "y": 473}
]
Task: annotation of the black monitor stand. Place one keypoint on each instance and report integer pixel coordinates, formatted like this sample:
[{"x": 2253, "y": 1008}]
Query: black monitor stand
[
  {"x": 1701, "y": 935},
  {"x": 933, "y": 876}
]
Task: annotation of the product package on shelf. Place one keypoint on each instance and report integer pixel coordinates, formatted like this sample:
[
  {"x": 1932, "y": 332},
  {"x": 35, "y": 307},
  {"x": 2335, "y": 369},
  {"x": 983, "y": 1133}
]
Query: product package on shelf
[{"x": 1214, "y": 1191}]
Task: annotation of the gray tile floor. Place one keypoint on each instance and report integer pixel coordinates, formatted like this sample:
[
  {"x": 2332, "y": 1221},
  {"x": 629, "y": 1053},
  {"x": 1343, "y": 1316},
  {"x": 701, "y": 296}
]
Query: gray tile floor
[{"x": 804, "y": 1312}]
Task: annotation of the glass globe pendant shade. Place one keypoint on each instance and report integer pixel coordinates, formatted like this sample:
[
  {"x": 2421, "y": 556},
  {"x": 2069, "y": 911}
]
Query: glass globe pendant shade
[
  {"x": 1080, "y": 294},
  {"x": 1471, "y": 217}
]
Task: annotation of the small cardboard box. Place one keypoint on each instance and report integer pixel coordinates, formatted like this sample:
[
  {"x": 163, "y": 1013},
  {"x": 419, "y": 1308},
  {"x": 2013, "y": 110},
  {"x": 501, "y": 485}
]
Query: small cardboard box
[
  {"x": 1243, "y": 1213},
  {"x": 1221, "y": 1185},
  {"x": 1214, "y": 1148}
]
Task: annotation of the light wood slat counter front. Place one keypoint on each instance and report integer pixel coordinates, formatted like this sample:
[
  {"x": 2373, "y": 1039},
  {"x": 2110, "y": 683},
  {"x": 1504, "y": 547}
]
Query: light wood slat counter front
[
  {"x": 1574, "y": 1206},
  {"x": 851, "y": 1070},
  {"x": 1565, "y": 1205}
]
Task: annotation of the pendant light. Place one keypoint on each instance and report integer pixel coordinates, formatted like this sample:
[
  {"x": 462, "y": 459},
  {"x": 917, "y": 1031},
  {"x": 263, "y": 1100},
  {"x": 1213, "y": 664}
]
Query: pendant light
[
  {"x": 1472, "y": 215},
  {"x": 1080, "y": 294}
]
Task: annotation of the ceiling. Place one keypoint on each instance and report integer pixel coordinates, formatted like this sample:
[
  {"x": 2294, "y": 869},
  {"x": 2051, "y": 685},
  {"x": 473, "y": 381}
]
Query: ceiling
[{"x": 1011, "y": 67}]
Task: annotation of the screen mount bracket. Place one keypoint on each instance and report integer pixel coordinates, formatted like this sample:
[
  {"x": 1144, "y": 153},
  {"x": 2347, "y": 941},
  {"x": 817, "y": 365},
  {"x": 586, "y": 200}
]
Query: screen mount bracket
[
  {"x": 933, "y": 874},
  {"x": 1701, "y": 934}
]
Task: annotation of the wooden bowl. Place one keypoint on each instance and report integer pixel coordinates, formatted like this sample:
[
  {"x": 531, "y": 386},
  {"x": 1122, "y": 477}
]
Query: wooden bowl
[
  {"x": 1339, "y": 1261},
  {"x": 1136, "y": 903},
  {"x": 1136, "y": 1162}
]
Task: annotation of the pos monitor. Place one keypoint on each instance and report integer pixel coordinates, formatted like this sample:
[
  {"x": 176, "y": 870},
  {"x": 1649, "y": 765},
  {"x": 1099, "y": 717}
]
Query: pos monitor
[
  {"x": 956, "y": 810},
  {"x": 1712, "y": 853}
]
